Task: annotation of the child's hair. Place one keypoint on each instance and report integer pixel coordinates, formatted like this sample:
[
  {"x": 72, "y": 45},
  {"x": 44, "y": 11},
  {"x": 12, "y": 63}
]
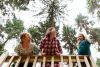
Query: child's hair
[
  {"x": 82, "y": 35},
  {"x": 49, "y": 31},
  {"x": 24, "y": 34}
]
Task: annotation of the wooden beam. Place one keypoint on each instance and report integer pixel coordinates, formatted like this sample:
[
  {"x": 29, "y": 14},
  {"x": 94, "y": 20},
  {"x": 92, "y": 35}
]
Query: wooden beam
[
  {"x": 92, "y": 62},
  {"x": 78, "y": 61},
  {"x": 3, "y": 58},
  {"x": 44, "y": 61},
  {"x": 35, "y": 60},
  {"x": 62, "y": 61},
  {"x": 10, "y": 61},
  {"x": 27, "y": 61},
  {"x": 70, "y": 62},
  {"x": 18, "y": 61},
  {"x": 86, "y": 61},
  {"x": 52, "y": 61}
]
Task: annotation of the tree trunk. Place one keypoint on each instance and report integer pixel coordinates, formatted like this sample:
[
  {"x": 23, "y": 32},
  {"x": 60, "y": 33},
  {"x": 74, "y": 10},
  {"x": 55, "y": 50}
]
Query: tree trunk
[{"x": 5, "y": 41}]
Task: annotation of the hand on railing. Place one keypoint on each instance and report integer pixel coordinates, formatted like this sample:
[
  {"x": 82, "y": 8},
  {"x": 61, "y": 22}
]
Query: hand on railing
[
  {"x": 58, "y": 54},
  {"x": 43, "y": 53}
]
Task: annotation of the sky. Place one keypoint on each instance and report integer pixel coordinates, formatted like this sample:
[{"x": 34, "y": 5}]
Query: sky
[{"x": 75, "y": 7}]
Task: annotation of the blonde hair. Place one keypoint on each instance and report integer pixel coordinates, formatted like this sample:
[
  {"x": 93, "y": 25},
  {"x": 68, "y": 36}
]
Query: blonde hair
[{"x": 49, "y": 31}]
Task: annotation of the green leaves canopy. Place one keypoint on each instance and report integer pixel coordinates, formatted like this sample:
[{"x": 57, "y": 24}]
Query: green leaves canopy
[
  {"x": 69, "y": 38},
  {"x": 94, "y": 7},
  {"x": 10, "y": 30},
  {"x": 13, "y": 28}
]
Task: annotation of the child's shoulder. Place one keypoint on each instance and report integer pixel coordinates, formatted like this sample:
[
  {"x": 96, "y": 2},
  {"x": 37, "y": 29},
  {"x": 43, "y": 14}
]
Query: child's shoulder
[{"x": 85, "y": 41}]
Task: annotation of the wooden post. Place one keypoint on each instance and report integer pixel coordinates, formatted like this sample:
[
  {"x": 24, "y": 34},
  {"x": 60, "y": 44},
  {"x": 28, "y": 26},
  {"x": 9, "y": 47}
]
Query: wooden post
[
  {"x": 92, "y": 62},
  {"x": 61, "y": 61},
  {"x": 70, "y": 62},
  {"x": 26, "y": 62},
  {"x": 52, "y": 61},
  {"x": 18, "y": 61},
  {"x": 34, "y": 63},
  {"x": 44, "y": 61},
  {"x": 86, "y": 61},
  {"x": 78, "y": 61},
  {"x": 3, "y": 58},
  {"x": 10, "y": 61}
]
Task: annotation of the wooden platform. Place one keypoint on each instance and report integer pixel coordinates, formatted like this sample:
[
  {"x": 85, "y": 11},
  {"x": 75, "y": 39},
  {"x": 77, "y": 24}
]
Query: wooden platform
[{"x": 70, "y": 60}]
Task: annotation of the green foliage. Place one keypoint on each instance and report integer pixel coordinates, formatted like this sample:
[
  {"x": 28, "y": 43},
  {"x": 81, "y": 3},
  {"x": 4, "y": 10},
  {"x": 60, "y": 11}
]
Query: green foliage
[
  {"x": 1, "y": 49},
  {"x": 1, "y": 30},
  {"x": 98, "y": 62},
  {"x": 95, "y": 32},
  {"x": 94, "y": 6},
  {"x": 69, "y": 38},
  {"x": 15, "y": 4},
  {"x": 54, "y": 11},
  {"x": 7, "y": 7},
  {"x": 13, "y": 28},
  {"x": 38, "y": 32},
  {"x": 82, "y": 22}
]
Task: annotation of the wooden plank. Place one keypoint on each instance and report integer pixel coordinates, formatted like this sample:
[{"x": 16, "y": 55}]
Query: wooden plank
[
  {"x": 92, "y": 62},
  {"x": 70, "y": 62},
  {"x": 52, "y": 61},
  {"x": 26, "y": 62},
  {"x": 44, "y": 61},
  {"x": 86, "y": 61},
  {"x": 3, "y": 58},
  {"x": 18, "y": 61},
  {"x": 35, "y": 60},
  {"x": 10, "y": 61},
  {"x": 78, "y": 61},
  {"x": 62, "y": 61}
]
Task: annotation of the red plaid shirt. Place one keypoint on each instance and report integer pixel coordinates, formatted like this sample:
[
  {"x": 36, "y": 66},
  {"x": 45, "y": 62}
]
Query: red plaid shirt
[{"x": 50, "y": 47}]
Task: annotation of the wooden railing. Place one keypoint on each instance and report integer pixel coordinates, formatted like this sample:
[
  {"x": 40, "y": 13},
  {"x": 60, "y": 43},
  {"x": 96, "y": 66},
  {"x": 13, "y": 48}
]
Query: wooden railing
[{"x": 70, "y": 60}]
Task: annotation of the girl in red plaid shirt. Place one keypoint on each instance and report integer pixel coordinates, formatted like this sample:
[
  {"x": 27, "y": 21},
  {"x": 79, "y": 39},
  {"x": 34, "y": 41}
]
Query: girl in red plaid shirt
[{"x": 50, "y": 45}]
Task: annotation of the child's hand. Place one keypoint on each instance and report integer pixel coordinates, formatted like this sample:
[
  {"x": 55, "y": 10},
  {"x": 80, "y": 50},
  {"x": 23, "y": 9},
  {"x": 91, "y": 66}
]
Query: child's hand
[
  {"x": 57, "y": 53},
  {"x": 78, "y": 40},
  {"x": 43, "y": 53}
]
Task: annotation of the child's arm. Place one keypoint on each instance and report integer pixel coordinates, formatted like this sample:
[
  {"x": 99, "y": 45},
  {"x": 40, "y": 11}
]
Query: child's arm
[
  {"x": 17, "y": 49},
  {"x": 42, "y": 47},
  {"x": 59, "y": 47},
  {"x": 35, "y": 49}
]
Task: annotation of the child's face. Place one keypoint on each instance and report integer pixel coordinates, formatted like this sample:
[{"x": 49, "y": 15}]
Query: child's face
[
  {"x": 80, "y": 37},
  {"x": 25, "y": 38},
  {"x": 53, "y": 33}
]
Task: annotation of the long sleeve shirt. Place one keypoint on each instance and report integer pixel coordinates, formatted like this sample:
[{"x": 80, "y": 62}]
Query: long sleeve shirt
[{"x": 50, "y": 47}]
